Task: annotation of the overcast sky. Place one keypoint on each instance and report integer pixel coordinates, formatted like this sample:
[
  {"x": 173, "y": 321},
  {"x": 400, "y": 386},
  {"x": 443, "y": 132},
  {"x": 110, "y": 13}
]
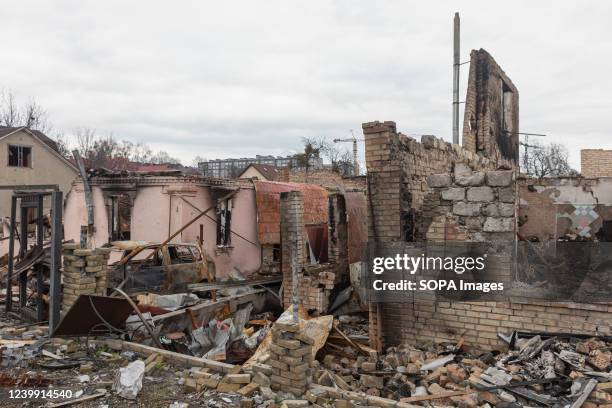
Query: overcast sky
[{"x": 225, "y": 79}]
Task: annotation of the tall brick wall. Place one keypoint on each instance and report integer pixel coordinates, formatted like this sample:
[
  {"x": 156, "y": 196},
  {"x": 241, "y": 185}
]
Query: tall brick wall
[
  {"x": 317, "y": 281},
  {"x": 292, "y": 239},
  {"x": 441, "y": 192},
  {"x": 491, "y": 117},
  {"x": 595, "y": 163},
  {"x": 398, "y": 167}
]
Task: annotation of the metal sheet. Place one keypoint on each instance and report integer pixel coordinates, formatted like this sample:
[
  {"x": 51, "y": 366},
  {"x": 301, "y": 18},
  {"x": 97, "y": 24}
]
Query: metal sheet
[{"x": 81, "y": 317}]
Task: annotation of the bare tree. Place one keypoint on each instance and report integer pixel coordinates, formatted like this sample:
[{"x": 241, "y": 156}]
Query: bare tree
[
  {"x": 548, "y": 161},
  {"x": 162, "y": 157},
  {"x": 85, "y": 139},
  {"x": 35, "y": 117},
  {"x": 63, "y": 147},
  {"x": 9, "y": 112},
  {"x": 141, "y": 153},
  {"x": 313, "y": 151},
  {"x": 197, "y": 160},
  {"x": 31, "y": 115},
  {"x": 341, "y": 159}
]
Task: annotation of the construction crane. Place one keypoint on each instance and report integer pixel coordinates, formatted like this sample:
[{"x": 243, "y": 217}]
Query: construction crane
[
  {"x": 354, "y": 141},
  {"x": 526, "y": 145}
]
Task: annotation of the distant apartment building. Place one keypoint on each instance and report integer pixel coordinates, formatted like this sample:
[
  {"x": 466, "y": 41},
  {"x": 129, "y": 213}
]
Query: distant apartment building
[{"x": 232, "y": 168}]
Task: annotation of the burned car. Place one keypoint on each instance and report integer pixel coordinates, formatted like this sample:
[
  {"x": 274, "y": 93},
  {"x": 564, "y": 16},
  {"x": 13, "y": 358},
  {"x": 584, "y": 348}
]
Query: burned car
[{"x": 156, "y": 268}]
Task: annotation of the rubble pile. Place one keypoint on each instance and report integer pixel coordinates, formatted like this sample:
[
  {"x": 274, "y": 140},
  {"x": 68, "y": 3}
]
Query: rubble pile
[{"x": 553, "y": 371}]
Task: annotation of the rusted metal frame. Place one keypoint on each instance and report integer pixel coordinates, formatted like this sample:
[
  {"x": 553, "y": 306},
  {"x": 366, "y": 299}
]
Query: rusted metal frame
[
  {"x": 8, "y": 305},
  {"x": 56, "y": 259},
  {"x": 39, "y": 267},
  {"x": 23, "y": 248}
]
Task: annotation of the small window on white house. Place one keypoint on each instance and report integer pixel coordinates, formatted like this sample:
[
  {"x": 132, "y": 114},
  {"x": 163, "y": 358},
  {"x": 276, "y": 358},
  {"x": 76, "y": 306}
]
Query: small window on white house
[{"x": 19, "y": 156}]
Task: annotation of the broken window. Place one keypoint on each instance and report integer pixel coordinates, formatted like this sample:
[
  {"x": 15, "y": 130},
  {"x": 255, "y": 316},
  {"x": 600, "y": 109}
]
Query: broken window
[
  {"x": 19, "y": 156},
  {"x": 120, "y": 217},
  {"x": 276, "y": 253},
  {"x": 317, "y": 243},
  {"x": 224, "y": 217},
  {"x": 507, "y": 109},
  {"x": 182, "y": 254}
]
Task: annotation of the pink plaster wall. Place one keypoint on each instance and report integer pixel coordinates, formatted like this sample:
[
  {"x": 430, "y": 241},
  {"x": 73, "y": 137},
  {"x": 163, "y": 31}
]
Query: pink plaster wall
[
  {"x": 154, "y": 216},
  {"x": 75, "y": 214}
]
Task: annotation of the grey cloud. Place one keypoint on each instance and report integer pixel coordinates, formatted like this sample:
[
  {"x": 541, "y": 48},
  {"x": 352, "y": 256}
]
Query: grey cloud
[{"x": 239, "y": 78}]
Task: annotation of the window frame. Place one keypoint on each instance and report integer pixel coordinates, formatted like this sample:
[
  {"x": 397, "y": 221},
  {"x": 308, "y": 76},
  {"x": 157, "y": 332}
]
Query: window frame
[{"x": 19, "y": 147}]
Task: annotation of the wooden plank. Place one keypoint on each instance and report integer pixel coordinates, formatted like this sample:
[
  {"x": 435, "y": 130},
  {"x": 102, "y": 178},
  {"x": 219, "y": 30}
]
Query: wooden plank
[
  {"x": 586, "y": 391},
  {"x": 351, "y": 342},
  {"x": 9, "y": 341},
  {"x": 176, "y": 358},
  {"x": 78, "y": 400},
  {"x": 205, "y": 287},
  {"x": 436, "y": 396}
]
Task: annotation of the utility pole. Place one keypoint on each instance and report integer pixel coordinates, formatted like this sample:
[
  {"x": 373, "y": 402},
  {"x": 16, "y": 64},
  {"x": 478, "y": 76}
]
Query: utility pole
[{"x": 456, "y": 53}]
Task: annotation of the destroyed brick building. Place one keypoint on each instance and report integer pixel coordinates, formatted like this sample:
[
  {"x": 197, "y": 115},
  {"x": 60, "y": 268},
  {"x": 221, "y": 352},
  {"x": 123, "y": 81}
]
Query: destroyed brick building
[
  {"x": 435, "y": 192},
  {"x": 457, "y": 195},
  {"x": 242, "y": 233},
  {"x": 263, "y": 292}
]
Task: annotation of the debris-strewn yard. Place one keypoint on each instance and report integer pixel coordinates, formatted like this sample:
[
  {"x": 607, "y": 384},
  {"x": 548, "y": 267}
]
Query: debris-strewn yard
[{"x": 319, "y": 361}]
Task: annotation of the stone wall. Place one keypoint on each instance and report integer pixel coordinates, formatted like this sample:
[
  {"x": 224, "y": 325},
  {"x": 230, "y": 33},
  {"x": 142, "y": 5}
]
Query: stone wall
[
  {"x": 433, "y": 192},
  {"x": 85, "y": 273},
  {"x": 398, "y": 167},
  {"x": 595, "y": 163},
  {"x": 469, "y": 205}
]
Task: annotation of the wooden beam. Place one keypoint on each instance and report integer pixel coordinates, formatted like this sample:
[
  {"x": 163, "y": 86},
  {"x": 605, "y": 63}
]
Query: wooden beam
[
  {"x": 436, "y": 396},
  {"x": 171, "y": 356},
  {"x": 78, "y": 400}
]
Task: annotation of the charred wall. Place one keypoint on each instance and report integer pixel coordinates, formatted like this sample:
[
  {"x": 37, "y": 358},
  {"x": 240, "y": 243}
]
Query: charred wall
[{"x": 491, "y": 117}]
